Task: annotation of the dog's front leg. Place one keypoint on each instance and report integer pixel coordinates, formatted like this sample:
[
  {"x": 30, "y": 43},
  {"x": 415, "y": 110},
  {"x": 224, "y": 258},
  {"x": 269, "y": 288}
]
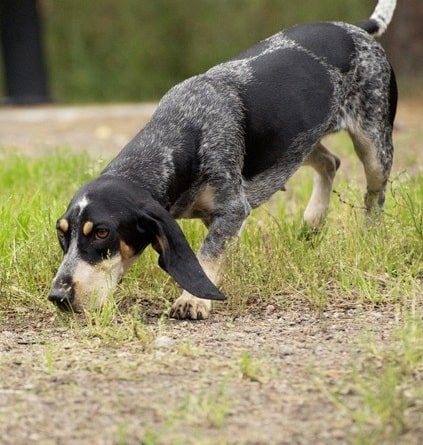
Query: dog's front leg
[
  {"x": 188, "y": 306},
  {"x": 222, "y": 230}
]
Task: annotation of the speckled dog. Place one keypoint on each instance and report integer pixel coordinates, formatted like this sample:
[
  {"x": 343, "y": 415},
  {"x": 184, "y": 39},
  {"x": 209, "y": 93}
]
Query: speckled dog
[{"x": 222, "y": 143}]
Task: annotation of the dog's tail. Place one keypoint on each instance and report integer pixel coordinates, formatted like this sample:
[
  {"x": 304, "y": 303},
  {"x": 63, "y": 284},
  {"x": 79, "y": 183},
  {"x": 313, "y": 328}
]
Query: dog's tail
[{"x": 382, "y": 15}]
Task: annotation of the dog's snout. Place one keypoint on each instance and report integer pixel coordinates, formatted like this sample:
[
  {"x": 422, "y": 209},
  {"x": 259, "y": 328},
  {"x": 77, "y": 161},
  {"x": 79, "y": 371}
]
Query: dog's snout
[{"x": 62, "y": 297}]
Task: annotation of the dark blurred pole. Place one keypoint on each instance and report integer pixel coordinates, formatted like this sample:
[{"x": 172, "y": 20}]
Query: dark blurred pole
[{"x": 24, "y": 66}]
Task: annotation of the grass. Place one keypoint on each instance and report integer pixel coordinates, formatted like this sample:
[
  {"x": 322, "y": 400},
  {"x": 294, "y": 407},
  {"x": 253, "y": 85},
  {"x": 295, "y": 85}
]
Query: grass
[
  {"x": 250, "y": 368},
  {"x": 348, "y": 261},
  {"x": 208, "y": 408},
  {"x": 31, "y": 199},
  {"x": 97, "y": 51},
  {"x": 345, "y": 262}
]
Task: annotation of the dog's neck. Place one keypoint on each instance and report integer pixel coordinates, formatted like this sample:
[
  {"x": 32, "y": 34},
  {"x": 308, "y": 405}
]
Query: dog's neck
[{"x": 161, "y": 160}]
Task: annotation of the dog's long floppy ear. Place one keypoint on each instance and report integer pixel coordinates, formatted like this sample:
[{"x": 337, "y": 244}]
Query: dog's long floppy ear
[{"x": 175, "y": 255}]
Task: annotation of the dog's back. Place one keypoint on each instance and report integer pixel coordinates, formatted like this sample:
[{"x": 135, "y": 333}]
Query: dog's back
[{"x": 301, "y": 84}]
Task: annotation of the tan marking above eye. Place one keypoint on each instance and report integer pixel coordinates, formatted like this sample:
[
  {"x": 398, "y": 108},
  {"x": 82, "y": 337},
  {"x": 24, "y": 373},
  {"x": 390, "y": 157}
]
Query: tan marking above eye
[
  {"x": 87, "y": 228},
  {"x": 63, "y": 225}
]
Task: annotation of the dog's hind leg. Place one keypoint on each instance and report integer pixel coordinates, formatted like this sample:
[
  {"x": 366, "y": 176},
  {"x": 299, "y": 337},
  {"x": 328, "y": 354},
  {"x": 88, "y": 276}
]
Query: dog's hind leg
[
  {"x": 325, "y": 165},
  {"x": 375, "y": 151}
]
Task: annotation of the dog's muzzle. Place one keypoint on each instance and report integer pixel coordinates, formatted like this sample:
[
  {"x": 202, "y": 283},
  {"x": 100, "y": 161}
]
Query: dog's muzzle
[{"x": 62, "y": 296}]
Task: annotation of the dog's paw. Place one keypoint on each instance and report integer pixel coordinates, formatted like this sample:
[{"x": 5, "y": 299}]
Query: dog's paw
[{"x": 188, "y": 307}]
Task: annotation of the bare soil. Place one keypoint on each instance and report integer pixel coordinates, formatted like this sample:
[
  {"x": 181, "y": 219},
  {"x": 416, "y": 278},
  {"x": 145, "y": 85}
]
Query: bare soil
[
  {"x": 271, "y": 375},
  {"x": 101, "y": 130},
  {"x": 95, "y": 391}
]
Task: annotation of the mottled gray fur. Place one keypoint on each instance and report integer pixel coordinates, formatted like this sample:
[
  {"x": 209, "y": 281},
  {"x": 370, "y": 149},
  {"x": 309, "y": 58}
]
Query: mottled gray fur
[{"x": 212, "y": 104}]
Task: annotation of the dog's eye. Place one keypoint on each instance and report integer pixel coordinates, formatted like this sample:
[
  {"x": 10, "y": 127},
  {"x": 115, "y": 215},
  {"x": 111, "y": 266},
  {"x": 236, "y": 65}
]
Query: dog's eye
[
  {"x": 60, "y": 233},
  {"x": 101, "y": 233}
]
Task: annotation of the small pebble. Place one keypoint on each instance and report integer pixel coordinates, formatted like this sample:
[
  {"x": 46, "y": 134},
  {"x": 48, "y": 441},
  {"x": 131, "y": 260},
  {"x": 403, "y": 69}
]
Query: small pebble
[
  {"x": 286, "y": 350},
  {"x": 270, "y": 309},
  {"x": 164, "y": 342}
]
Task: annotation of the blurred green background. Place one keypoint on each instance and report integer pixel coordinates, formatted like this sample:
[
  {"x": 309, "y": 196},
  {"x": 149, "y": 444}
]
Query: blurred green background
[{"x": 135, "y": 50}]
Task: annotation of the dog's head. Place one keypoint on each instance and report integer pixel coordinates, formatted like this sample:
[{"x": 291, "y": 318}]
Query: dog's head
[{"x": 104, "y": 230}]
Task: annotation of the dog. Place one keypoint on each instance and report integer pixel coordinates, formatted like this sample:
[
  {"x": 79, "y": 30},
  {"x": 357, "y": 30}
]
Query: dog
[{"x": 222, "y": 143}]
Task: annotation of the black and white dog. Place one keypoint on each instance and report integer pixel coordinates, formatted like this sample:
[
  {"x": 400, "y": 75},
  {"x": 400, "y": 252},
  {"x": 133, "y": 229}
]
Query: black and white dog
[{"x": 222, "y": 143}]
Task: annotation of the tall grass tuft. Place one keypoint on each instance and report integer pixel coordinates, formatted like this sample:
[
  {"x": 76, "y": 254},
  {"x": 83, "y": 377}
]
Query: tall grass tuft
[{"x": 348, "y": 261}]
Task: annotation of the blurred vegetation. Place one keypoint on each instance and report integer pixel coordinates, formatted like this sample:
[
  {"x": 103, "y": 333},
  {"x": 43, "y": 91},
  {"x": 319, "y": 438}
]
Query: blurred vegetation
[{"x": 133, "y": 50}]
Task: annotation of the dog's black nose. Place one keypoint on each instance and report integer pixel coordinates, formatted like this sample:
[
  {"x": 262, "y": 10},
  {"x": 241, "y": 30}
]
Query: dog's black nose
[{"x": 62, "y": 298}]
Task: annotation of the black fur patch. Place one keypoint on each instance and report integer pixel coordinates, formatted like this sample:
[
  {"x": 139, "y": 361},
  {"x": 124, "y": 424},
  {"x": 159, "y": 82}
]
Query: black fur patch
[
  {"x": 327, "y": 41},
  {"x": 282, "y": 103}
]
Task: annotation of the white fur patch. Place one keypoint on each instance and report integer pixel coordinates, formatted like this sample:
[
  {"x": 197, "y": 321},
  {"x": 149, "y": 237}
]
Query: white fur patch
[
  {"x": 94, "y": 283},
  {"x": 82, "y": 204}
]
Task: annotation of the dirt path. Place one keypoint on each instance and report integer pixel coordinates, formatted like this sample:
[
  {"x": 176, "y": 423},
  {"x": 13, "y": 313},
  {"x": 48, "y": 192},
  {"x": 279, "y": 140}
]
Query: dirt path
[
  {"x": 102, "y": 130},
  {"x": 266, "y": 377},
  {"x": 255, "y": 379}
]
